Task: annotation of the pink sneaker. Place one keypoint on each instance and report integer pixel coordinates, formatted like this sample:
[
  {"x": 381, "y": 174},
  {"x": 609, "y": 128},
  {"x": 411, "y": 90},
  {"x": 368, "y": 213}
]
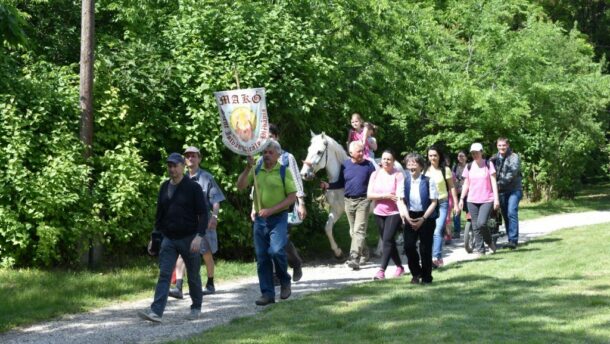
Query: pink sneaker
[
  {"x": 399, "y": 271},
  {"x": 379, "y": 275}
]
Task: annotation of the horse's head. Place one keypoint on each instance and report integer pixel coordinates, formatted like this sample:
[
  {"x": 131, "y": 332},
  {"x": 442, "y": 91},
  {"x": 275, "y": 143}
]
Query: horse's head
[{"x": 317, "y": 156}]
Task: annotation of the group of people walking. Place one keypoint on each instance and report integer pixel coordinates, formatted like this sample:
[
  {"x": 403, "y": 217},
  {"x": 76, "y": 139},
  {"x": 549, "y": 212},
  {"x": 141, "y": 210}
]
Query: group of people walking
[
  {"x": 421, "y": 201},
  {"x": 418, "y": 202}
]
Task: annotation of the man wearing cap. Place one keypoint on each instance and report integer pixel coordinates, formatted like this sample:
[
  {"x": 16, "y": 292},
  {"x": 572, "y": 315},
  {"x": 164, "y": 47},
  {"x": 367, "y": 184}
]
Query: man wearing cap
[
  {"x": 209, "y": 245},
  {"x": 182, "y": 219},
  {"x": 510, "y": 189},
  {"x": 271, "y": 222}
]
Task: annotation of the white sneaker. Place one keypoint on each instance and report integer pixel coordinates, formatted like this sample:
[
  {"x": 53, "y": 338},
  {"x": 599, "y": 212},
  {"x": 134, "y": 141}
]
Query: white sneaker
[
  {"x": 150, "y": 316},
  {"x": 194, "y": 314}
]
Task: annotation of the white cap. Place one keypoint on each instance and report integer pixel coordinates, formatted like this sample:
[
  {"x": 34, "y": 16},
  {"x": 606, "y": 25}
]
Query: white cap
[{"x": 476, "y": 147}]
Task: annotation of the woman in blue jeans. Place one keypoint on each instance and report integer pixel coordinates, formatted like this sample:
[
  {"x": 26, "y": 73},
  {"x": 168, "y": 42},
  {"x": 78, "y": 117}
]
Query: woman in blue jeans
[{"x": 442, "y": 177}]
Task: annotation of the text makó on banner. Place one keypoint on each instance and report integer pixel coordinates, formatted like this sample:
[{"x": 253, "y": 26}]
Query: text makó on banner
[{"x": 244, "y": 120}]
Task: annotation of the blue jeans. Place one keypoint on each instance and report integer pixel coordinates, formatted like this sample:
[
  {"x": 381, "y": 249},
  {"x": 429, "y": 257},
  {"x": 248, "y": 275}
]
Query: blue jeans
[
  {"x": 437, "y": 245},
  {"x": 509, "y": 203},
  {"x": 270, "y": 237},
  {"x": 170, "y": 249}
]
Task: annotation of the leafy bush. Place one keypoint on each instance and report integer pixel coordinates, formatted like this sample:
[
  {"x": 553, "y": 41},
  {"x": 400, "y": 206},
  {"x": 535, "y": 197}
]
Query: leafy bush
[{"x": 451, "y": 72}]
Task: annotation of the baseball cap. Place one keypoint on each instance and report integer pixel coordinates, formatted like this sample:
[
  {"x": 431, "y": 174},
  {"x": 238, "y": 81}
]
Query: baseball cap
[
  {"x": 192, "y": 149},
  {"x": 176, "y": 158},
  {"x": 476, "y": 147}
]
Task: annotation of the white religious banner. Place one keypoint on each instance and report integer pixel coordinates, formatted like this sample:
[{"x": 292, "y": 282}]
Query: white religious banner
[{"x": 243, "y": 115}]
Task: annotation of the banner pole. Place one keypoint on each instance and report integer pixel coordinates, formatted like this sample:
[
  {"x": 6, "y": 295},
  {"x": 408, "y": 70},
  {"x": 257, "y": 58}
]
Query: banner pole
[{"x": 236, "y": 75}]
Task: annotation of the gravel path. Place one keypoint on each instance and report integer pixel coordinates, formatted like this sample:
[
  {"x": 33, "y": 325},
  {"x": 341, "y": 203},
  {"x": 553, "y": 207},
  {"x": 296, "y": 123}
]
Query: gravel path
[{"x": 119, "y": 323}]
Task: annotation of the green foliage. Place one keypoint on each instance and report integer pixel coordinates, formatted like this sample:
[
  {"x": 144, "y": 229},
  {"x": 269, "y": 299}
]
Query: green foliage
[
  {"x": 446, "y": 71},
  {"x": 12, "y": 26}
]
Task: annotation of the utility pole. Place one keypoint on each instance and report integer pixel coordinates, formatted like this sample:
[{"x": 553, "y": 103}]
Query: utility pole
[{"x": 87, "y": 47}]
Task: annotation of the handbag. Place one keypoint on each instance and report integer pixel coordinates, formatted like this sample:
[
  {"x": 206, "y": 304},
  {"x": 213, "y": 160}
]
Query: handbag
[{"x": 293, "y": 217}]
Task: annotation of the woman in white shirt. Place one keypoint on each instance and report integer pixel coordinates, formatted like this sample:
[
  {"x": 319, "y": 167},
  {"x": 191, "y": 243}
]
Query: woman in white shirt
[{"x": 417, "y": 205}]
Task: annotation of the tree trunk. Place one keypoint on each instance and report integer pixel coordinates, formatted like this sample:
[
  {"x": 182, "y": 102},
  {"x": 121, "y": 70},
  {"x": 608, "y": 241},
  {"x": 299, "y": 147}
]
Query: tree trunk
[{"x": 92, "y": 255}]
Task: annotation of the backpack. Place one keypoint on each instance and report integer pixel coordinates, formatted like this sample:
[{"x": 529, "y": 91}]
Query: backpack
[
  {"x": 283, "y": 165},
  {"x": 454, "y": 170},
  {"x": 469, "y": 165},
  {"x": 293, "y": 217}
]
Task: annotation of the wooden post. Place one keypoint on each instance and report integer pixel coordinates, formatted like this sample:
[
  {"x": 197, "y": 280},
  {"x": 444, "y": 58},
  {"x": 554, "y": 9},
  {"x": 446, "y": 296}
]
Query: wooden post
[
  {"x": 93, "y": 256},
  {"x": 86, "y": 74},
  {"x": 257, "y": 197}
]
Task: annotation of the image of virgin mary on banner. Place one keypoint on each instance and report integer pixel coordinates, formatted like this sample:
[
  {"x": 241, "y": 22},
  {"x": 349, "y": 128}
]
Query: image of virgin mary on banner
[{"x": 244, "y": 120}]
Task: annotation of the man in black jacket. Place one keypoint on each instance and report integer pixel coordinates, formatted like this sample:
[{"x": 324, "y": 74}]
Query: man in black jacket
[
  {"x": 182, "y": 220},
  {"x": 510, "y": 189}
]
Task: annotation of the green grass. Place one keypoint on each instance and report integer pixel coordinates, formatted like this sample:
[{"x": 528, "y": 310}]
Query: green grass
[
  {"x": 31, "y": 295},
  {"x": 591, "y": 197},
  {"x": 555, "y": 289}
]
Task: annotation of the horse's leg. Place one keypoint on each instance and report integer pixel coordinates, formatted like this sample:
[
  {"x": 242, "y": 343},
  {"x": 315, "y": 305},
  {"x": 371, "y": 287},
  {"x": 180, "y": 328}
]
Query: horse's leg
[
  {"x": 336, "y": 210},
  {"x": 332, "y": 219}
]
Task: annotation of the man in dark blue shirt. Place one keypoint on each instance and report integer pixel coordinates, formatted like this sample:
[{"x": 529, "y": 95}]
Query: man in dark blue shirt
[
  {"x": 354, "y": 175},
  {"x": 182, "y": 218}
]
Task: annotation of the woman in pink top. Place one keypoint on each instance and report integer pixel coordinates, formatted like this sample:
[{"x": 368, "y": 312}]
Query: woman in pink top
[
  {"x": 382, "y": 189},
  {"x": 481, "y": 192}
]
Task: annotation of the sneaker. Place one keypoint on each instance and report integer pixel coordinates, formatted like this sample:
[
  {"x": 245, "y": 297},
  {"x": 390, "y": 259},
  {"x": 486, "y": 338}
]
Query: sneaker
[
  {"x": 492, "y": 247},
  {"x": 150, "y": 316},
  {"x": 297, "y": 273},
  {"x": 363, "y": 260},
  {"x": 264, "y": 300},
  {"x": 380, "y": 275},
  {"x": 194, "y": 314},
  {"x": 437, "y": 263},
  {"x": 353, "y": 264},
  {"x": 176, "y": 293},
  {"x": 285, "y": 292},
  {"x": 415, "y": 280},
  {"x": 511, "y": 245},
  {"x": 208, "y": 289},
  {"x": 399, "y": 271}
]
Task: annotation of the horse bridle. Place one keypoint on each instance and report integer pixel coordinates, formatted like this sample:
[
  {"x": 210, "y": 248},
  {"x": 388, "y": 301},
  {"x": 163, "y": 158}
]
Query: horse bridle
[{"x": 324, "y": 152}]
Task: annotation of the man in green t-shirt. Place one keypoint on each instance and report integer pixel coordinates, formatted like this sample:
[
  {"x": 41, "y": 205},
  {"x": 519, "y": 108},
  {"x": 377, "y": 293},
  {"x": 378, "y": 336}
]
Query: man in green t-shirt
[{"x": 273, "y": 194}]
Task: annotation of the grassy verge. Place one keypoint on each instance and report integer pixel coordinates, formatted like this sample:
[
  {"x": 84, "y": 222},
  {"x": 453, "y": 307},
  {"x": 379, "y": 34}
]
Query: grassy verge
[
  {"x": 591, "y": 197},
  {"x": 552, "y": 290},
  {"x": 31, "y": 295}
]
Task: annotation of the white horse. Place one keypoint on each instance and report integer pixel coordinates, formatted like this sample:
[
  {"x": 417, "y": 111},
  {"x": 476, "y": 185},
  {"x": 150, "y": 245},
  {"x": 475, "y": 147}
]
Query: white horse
[{"x": 325, "y": 153}]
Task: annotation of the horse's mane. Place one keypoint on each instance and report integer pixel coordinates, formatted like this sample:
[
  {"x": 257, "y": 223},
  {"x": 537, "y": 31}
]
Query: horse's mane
[{"x": 336, "y": 147}]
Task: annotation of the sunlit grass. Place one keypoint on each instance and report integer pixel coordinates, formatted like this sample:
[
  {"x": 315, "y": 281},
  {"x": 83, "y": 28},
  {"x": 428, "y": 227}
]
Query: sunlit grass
[
  {"x": 555, "y": 289},
  {"x": 591, "y": 197},
  {"x": 31, "y": 295}
]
